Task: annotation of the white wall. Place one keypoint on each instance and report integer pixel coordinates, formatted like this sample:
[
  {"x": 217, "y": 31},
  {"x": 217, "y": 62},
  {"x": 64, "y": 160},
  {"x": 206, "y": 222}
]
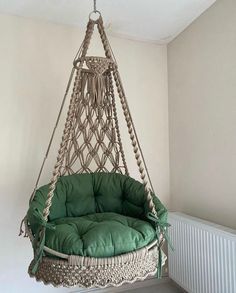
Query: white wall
[
  {"x": 202, "y": 116},
  {"x": 35, "y": 60}
]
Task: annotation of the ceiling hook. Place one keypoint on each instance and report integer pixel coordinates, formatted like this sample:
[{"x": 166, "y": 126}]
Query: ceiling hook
[{"x": 94, "y": 5}]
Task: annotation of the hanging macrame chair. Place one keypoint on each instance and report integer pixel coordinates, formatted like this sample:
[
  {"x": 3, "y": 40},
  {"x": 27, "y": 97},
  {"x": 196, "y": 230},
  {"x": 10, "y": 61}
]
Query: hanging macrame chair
[{"x": 93, "y": 225}]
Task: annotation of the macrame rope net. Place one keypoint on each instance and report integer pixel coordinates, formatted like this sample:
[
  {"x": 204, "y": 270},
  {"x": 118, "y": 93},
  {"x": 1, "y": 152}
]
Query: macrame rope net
[
  {"x": 91, "y": 137},
  {"x": 91, "y": 140}
]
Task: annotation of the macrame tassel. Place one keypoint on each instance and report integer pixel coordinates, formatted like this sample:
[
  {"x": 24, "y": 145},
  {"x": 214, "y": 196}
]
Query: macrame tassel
[
  {"x": 23, "y": 231},
  {"x": 96, "y": 88}
]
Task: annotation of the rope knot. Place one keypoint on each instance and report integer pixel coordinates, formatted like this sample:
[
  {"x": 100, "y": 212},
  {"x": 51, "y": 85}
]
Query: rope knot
[
  {"x": 161, "y": 227},
  {"x": 39, "y": 239},
  {"x": 41, "y": 221}
]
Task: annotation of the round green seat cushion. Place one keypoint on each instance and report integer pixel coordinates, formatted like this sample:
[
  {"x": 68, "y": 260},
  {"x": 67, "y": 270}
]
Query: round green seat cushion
[{"x": 99, "y": 235}]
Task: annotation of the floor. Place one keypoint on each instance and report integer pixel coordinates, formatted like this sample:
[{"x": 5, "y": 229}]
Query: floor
[
  {"x": 159, "y": 288},
  {"x": 151, "y": 285}
]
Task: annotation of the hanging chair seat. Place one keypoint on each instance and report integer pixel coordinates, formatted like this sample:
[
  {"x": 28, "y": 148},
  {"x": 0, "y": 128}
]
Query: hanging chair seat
[
  {"x": 99, "y": 222},
  {"x": 95, "y": 229},
  {"x": 99, "y": 235}
]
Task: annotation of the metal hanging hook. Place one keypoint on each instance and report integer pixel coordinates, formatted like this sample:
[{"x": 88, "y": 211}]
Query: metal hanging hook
[
  {"x": 95, "y": 11},
  {"x": 94, "y": 5}
]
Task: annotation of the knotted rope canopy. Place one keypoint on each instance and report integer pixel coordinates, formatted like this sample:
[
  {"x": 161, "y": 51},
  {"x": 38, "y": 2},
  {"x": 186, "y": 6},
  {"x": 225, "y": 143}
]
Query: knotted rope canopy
[{"x": 91, "y": 143}]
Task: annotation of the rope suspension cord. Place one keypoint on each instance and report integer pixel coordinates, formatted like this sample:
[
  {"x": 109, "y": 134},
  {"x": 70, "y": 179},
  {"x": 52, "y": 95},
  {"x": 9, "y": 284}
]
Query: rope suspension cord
[
  {"x": 57, "y": 121},
  {"x": 94, "y": 5},
  {"x": 70, "y": 114},
  {"x": 132, "y": 131},
  {"x": 53, "y": 132}
]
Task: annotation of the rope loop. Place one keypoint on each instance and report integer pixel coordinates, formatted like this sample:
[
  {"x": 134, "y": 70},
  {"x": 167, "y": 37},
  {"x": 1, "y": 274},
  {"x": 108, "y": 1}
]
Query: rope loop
[{"x": 94, "y": 13}]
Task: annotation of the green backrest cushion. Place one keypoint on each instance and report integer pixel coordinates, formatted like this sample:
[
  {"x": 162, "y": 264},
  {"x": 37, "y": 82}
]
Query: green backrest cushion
[{"x": 82, "y": 194}]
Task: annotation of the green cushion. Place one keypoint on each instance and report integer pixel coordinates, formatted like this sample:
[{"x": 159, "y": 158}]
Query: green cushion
[
  {"x": 96, "y": 214},
  {"x": 82, "y": 194},
  {"x": 99, "y": 235}
]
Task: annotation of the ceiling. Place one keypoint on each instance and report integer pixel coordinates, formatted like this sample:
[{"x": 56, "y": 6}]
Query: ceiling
[{"x": 156, "y": 21}]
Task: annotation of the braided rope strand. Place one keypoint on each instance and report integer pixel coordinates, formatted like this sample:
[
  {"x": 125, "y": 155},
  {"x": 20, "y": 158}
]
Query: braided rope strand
[
  {"x": 117, "y": 124},
  {"x": 136, "y": 148},
  {"x": 61, "y": 152},
  {"x": 68, "y": 124},
  {"x": 135, "y": 145}
]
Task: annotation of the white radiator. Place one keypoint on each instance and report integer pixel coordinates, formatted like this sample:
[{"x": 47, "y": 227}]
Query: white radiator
[{"x": 204, "y": 259}]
